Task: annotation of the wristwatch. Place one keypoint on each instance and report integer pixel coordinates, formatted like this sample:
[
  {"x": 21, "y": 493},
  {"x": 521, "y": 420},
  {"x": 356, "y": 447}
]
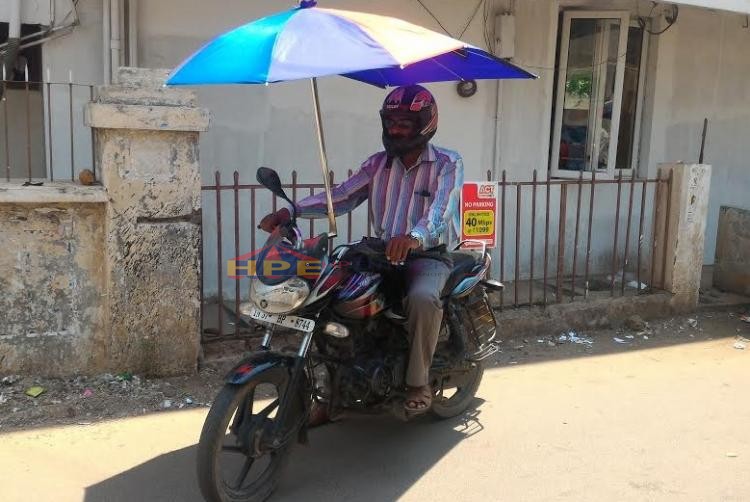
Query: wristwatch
[{"x": 417, "y": 237}]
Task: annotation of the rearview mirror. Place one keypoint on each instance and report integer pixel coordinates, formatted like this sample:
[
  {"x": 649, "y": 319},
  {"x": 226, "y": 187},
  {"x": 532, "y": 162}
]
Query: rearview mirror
[{"x": 270, "y": 179}]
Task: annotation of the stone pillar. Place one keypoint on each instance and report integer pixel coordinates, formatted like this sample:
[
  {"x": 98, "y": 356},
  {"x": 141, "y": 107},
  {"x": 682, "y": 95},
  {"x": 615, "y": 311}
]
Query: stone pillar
[
  {"x": 688, "y": 210},
  {"x": 147, "y": 152}
]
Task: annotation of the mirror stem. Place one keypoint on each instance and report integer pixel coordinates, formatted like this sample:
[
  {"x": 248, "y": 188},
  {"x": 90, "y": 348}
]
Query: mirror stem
[{"x": 324, "y": 160}]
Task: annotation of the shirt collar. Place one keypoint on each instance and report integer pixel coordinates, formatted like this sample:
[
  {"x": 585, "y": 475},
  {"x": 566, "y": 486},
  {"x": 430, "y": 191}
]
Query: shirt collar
[{"x": 428, "y": 155}]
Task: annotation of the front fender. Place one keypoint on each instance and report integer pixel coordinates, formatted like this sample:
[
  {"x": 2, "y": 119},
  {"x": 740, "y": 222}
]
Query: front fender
[{"x": 256, "y": 363}]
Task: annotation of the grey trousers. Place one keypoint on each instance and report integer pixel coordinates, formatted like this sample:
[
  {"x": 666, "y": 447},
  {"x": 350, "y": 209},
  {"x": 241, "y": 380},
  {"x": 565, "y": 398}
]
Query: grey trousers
[{"x": 424, "y": 309}]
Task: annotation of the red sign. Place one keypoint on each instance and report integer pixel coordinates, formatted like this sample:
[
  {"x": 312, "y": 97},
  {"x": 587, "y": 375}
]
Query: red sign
[{"x": 479, "y": 213}]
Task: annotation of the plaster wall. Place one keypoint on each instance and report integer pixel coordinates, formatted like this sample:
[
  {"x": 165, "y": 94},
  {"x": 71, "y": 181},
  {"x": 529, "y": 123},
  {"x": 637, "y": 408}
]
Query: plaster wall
[
  {"x": 732, "y": 270},
  {"x": 106, "y": 277},
  {"x": 701, "y": 70},
  {"x": 52, "y": 301}
]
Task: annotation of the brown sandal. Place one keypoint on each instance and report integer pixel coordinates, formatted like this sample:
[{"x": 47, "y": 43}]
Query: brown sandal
[
  {"x": 418, "y": 399},
  {"x": 318, "y": 415}
]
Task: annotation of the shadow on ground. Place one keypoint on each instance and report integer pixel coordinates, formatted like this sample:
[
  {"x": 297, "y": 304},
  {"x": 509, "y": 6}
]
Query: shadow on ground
[{"x": 362, "y": 458}]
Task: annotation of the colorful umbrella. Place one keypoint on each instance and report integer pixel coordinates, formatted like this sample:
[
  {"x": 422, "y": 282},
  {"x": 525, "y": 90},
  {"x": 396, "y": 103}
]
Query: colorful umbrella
[{"x": 309, "y": 42}]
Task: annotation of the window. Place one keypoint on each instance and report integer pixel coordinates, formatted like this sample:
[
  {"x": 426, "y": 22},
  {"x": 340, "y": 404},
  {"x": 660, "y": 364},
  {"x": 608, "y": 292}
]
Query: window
[
  {"x": 30, "y": 57},
  {"x": 599, "y": 83}
]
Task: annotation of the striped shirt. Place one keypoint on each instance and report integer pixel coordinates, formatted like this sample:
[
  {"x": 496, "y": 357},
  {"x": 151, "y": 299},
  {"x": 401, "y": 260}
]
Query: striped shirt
[{"x": 422, "y": 199}]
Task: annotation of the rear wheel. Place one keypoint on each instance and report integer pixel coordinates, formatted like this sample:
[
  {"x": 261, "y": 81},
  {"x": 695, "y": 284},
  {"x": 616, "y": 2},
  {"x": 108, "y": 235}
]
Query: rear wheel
[
  {"x": 237, "y": 460},
  {"x": 454, "y": 393}
]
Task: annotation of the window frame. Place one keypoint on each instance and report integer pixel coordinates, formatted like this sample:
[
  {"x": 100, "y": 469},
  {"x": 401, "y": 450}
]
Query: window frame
[
  {"x": 635, "y": 162},
  {"x": 564, "y": 47}
]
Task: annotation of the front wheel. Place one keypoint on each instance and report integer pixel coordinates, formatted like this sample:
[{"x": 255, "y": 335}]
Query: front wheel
[{"x": 237, "y": 457}]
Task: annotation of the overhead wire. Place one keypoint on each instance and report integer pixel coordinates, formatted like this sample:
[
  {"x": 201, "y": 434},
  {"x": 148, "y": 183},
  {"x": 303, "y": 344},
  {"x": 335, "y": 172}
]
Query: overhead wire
[
  {"x": 471, "y": 18},
  {"x": 466, "y": 26},
  {"x": 434, "y": 17},
  {"x": 489, "y": 38},
  {"x": 671, "y": 20}
]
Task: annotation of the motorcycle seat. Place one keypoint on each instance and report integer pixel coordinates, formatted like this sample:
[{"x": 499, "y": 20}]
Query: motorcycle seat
[{"x": 463, "y": 264}]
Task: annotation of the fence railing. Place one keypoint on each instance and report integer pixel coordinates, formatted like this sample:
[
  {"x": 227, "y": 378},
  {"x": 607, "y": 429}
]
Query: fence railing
[
  {"x": 575, "y": 258},
  {"x": 548, "y": 253},
  {"x": 43, "y": 135}
]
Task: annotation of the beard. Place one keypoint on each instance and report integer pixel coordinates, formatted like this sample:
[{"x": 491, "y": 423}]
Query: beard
[{"x": 398, "y": 146}]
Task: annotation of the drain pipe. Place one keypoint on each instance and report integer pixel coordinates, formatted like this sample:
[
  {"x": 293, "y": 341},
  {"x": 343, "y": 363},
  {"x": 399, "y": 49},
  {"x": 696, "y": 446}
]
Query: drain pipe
[
  {"x": 115, "y": 43},
  {"x": 132, "y": 32},
  {"x": 14, "y": 39},
  {"x": 106, "y": 38}
]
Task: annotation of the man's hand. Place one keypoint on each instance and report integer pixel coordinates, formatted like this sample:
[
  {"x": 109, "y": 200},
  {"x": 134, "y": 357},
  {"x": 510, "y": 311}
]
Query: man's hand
[
  {"x": 273, "y": 220},
  {"x": 398, "y": 248}
]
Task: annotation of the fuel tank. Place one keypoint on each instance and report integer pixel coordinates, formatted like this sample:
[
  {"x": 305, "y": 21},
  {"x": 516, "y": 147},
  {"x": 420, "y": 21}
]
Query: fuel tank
[{"x": 360, "y": 296}]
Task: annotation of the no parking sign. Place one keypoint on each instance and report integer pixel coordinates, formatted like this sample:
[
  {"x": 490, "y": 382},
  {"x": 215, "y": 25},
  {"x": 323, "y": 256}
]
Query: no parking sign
[{"x": 479, "y": 212}]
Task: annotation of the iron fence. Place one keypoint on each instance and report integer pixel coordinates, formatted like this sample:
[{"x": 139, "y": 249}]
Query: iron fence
[
  {"x": 562, "y": 271},
  {"x": 546, "y": 254},
  {"x": 43, "y": 133}
]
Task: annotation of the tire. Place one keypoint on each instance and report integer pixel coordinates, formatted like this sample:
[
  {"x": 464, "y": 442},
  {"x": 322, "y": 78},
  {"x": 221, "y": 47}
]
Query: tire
[
  {"x": 213, "y": 436},
  {"x": 461, "y": 400}
]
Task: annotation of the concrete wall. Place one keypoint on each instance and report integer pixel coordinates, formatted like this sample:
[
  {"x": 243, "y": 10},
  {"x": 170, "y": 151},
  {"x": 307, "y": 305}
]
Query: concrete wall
[
  {"x": 106, "y": 278},
  {"x": 732, "y": 270},
  {"x": 700, "y": 69},
  {"x": 52, "y": 306}
]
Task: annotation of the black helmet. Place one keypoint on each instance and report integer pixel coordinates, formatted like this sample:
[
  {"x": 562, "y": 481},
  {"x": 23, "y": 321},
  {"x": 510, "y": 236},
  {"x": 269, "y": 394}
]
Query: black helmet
[{"x": 413, "y": 102}]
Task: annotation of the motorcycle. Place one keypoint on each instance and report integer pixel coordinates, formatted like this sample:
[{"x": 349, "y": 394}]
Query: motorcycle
[{"x": 351, "y": 357}]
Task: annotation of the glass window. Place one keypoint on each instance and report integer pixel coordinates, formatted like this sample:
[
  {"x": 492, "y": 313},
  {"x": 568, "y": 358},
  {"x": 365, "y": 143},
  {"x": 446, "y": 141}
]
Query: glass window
[{"x": 597, "y": 93}]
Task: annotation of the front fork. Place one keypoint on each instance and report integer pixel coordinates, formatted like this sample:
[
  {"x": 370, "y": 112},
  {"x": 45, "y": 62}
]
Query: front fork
[{"x": 293, "y": 390}]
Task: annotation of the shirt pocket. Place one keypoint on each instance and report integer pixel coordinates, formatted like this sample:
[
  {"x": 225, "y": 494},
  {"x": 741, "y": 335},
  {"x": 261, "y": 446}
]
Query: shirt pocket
[{"x": 422, "y": 200}]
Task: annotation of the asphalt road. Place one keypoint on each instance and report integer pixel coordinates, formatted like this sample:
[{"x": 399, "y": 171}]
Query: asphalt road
[{"x": 635, "y": 423}]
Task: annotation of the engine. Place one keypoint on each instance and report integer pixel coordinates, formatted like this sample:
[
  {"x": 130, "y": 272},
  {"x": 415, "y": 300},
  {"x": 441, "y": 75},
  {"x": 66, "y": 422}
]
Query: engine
[
  {"x": 371, "y": 378},
  {"x": 375, "y": 361}
]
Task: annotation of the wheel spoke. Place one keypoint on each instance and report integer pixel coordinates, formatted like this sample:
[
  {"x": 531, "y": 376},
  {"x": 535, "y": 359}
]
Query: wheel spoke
[
  {"x": 243, "y": 409},
  {"x": 268, "y": 409},
  {"x": 243, "y": 473}
]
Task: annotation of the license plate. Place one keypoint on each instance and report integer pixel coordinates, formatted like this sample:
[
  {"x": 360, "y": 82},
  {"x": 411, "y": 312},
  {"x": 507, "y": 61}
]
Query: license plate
[{"x": 288, "y": 321}]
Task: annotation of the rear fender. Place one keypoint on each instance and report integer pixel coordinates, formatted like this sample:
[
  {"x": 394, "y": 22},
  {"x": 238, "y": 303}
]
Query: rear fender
[{"x": 256, "y": 363}]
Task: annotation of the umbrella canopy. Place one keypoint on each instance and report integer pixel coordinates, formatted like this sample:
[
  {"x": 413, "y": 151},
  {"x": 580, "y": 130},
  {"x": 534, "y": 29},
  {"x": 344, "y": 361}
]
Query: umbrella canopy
[{"x": 309, "y": 41}]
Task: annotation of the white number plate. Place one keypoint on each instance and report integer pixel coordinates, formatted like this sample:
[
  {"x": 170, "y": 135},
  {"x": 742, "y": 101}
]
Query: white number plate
[{"x": 288, "y": 321}]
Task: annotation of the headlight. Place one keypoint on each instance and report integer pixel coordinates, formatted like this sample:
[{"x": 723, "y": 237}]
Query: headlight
[{"x": 279, "y": 298}]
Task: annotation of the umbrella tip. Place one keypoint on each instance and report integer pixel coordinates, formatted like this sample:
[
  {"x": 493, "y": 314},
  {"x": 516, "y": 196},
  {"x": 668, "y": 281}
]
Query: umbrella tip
[{"x": 306, "y": 4}]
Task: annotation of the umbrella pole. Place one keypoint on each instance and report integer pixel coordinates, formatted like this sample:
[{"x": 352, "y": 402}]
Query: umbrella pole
[{"x": 323, "y": 160}]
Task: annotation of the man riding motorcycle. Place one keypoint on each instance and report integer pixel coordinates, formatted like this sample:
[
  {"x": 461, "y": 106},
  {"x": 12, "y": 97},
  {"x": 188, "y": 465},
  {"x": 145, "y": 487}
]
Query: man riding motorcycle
[{"x": 414, "y": 188}]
